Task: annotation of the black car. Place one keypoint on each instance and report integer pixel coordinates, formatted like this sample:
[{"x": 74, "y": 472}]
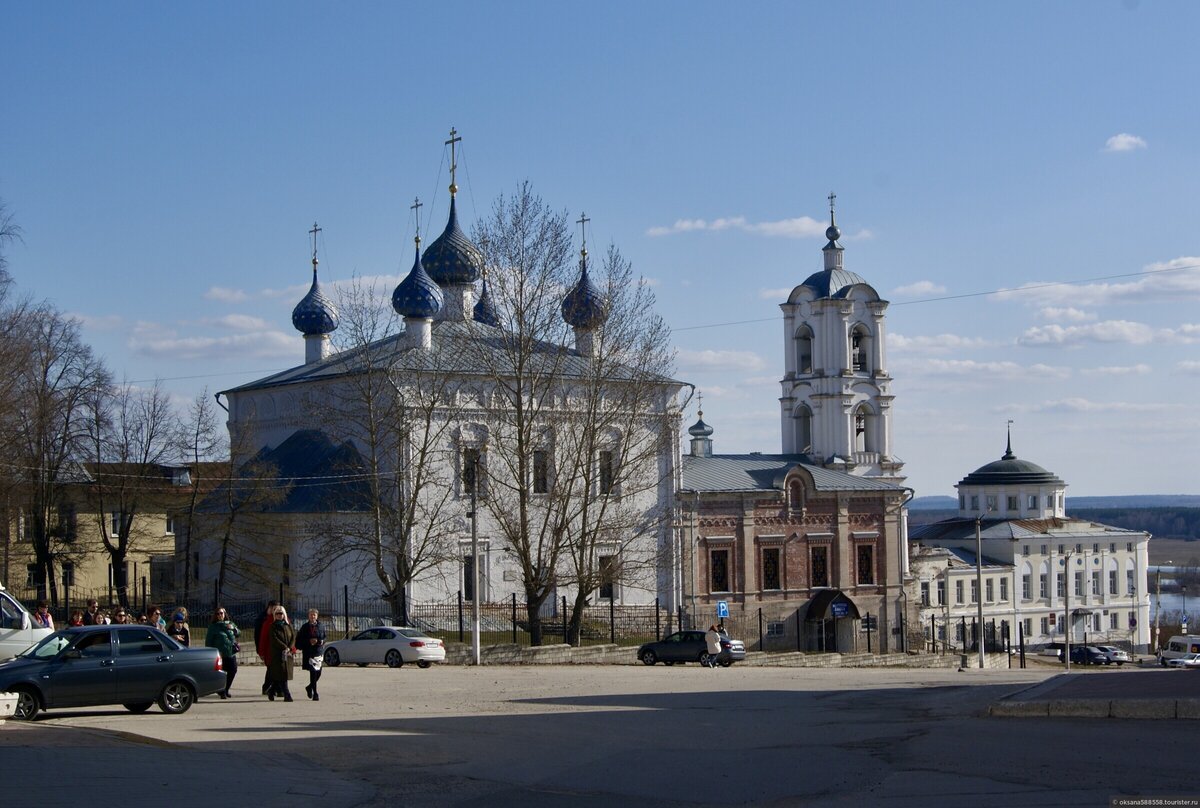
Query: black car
[
  {"x": 685, "y": 646},
  {"x": 1088, "y": 655},
  {"x": 110, "y": 664}
]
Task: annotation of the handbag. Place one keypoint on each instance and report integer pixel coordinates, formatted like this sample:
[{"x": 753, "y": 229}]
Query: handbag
[
  {"x": 237, "y": 647},
  {"x": 315, "y": 662}
]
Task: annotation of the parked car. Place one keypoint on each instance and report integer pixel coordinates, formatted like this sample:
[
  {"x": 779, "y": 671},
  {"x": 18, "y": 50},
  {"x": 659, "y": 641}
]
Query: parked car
[
  {"x": 1180, "y": 645},
  {"x": 689, "y": 646},
  {"x": 391, "y": 645},
  {"x": 1088, "y": 655},
  {"x": 91, "y": 666},
  {"x": 1186, "y": 661},
  {"x": 1114, "y": 654},
  {"x": 17, "y": 629}
]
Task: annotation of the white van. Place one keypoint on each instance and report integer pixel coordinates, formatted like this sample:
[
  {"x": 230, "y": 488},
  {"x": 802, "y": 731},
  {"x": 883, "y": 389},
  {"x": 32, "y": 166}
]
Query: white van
[
  {"x": 17, "y": 631},
  {"x": 1178, "y": 646}
]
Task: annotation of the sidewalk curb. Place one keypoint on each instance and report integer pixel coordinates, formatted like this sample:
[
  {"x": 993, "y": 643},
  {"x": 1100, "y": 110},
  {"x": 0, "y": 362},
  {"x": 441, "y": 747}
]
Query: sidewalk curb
[{"x": 1155, "y": 709}]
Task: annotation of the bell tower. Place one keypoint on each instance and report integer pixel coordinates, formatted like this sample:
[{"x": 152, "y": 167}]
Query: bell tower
[{"x": 835, "y": 404}]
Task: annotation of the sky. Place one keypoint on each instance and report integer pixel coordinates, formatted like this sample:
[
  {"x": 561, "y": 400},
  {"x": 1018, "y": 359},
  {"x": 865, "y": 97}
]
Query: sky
[{"x": 1017, "y": 179}]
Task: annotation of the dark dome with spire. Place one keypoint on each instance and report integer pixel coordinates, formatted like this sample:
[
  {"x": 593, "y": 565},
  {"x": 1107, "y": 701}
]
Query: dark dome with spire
[
  {"x": 452, "y": 258},
  {"x": 584, "y": 307},
  {"x": 832, "y": 282},
  {"x": 315, "y": 315},
  {"x": 485, "y": 312},
  {"x": 700, "y": 429},
  {"x": 417, "y": 295},
  {"x": 1009, "y": 470}
]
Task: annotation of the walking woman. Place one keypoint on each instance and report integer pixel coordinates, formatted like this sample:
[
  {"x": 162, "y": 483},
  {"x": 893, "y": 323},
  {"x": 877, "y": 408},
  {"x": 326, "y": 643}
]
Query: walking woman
[
  {"x": 222, "y": 635},
  {"x": 282, "y": 649},
  {"x": 310, "y": 639}
]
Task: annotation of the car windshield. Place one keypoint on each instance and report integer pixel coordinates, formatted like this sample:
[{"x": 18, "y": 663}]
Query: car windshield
[
  {"x": 49, "y": 646},
  {"x": 415, "y": 633}
]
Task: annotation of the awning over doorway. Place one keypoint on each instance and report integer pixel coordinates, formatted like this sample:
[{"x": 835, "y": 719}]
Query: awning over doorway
[{"x": 829, "y": 604}]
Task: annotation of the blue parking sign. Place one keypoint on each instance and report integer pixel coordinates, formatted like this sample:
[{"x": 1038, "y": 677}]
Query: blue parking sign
[{"x": 722, "y": 608}]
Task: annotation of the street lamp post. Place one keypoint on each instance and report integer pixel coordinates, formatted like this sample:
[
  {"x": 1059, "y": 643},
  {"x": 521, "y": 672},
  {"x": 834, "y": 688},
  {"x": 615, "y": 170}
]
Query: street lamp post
[
  {"x": 979, "y": 586},
  {"x": 1158, "y": 602},
  {"x": 475, "y": 650},
  {"x": 1184, "y": 621},
  {"x": 1067, "y": 609}
]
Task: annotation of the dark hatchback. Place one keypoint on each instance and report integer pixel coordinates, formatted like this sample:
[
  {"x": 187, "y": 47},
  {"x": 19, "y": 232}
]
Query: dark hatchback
[
  {"x": 686, "y": 646},
  {"x": 94, "y": 665}
]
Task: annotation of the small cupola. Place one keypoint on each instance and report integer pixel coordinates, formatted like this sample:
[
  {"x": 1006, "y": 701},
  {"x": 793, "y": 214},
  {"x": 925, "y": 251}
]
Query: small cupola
[
  {"x": 701, "y": 436},
  {"x": 315, "y": 316},
  {"x": 452, "y": 260},
  {"x": 584, "y": 308},
  {"x": 418, "y": 300}
]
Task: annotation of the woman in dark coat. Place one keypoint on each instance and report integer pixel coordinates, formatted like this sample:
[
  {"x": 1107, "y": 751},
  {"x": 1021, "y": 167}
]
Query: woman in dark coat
[
  {"x": 223, "y": 635},
  {"x": 310, "y": 639},
  {"x": 282, "y": 649}
]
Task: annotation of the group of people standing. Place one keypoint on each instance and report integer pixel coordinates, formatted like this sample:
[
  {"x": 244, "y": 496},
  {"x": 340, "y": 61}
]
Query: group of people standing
[
  {"x": 278, "y": 643},
  {"x": 94, "y": 615}
]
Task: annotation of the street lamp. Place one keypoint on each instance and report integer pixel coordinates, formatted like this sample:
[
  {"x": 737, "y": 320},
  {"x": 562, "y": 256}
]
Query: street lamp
[
  {"x": 1183, "y": 627},
  {"x": 979, "y": 584},
  {"x": 1158, "y": 602},
  {"x": 475, "y": 650},
  {"x": 1066, "y": 562}
]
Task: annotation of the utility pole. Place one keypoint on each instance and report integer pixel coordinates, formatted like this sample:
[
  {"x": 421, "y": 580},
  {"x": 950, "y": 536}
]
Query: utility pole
[
  {"x": 1067, "y": 609},
  {"x": 475, "y": 651},
  {"x": 1158, "y": 603},
  {"x": 979, "y": 585}
]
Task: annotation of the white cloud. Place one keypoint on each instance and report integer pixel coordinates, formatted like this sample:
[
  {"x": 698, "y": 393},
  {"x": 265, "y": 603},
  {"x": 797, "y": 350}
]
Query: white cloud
[
  {"x": 919, "y": 289},
  {"x": 1124, "y": 142},
  {"x": 1163, "y": 281},
  {"x": 1078, "y": 405},
  {"x": 939, "y": 343},
  {"x": 1068, "y": 314},
  {"x": 258, "y": 345},
  {"x": 1109, "y": 331},
  {"x": 780, "y": 294},
  {"x": 699, "y": 361},
  {"x": 241, "y": 322},
  {"x": 800, "y": 227},
  {"x": 1189, "y": 366},
  {"x": 992, "y": 370},
  {"x": 103, "y": 322},
  {"x": 226, "y": 295},
  {"x": 1118, "y": 370}
]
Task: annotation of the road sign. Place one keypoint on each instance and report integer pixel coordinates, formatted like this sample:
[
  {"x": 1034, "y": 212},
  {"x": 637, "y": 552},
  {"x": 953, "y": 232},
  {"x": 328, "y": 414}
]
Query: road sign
[
  {"x": 869, "y": 623},
  {"x": 839, "y": 609},
  {"x": 722, "y": 609}
]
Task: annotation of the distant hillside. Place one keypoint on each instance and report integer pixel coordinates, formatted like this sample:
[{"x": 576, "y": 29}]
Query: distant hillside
[{"x": 942, "y": 503}]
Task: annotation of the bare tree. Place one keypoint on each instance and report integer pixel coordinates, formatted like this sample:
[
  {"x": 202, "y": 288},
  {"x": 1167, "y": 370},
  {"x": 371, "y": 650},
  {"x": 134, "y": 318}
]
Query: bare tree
[
  {"x": 615, "y": 484},
  {"x": 200, "y": 441},
  {"x": 10, "y": 231},
  {"x": 132, "y": 434},
  {"x": 49, "y": 430},
  {"x": 394, "y": 403}
]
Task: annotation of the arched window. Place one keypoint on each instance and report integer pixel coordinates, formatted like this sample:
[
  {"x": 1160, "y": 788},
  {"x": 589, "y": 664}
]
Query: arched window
[
  {"x": 803, "y": 429},
  {"x": 804, "y": 350},
  {"x": 860, "y": 349},
  {"x": 795, "y": 496},
  {"x": 864, "y": 429}
]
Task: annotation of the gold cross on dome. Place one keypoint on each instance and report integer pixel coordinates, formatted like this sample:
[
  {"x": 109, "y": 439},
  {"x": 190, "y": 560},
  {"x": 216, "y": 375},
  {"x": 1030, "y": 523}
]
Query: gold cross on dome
[
  {"x": 415, "y": 207},
  {"x": 313, "y": 233},
  {"x": 454, "y": 139}
]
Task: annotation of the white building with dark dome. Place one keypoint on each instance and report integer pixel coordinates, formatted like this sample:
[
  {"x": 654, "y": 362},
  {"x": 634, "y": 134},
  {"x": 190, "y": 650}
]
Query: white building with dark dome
[{"x": 1043, "y": 571}]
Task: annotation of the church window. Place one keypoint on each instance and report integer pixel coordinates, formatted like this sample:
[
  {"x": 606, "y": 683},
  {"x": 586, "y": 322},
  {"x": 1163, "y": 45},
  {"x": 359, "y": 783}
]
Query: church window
[
  {"x": 1033, "y": 502},
  {"x": 1028, "y": 627},
  {"x": 941, "y": 592},
  {"x": 974, "y": 591},
  {"x": 974, "y": 502},
  {"x": 864, "y": 429},
  {"x": 1095, "y": 548},
  {"x": 1003, "y": 590},
  {"x": 606, "y": 471},
  {"x": 1114, "y": 620},
  {"x": 1112, "y": 582},
  {"x": 1045, "y": 626},
  {"x": 1095, "y": 583},
  {"x": 770, "y": 568},
  {"x": 804, "y": 429},
  {"x": 472, "y": 472},
  {"x": 541, "y": 472},
  {"x": 795, "y": 496},
  {"x": 1012, "y": 503},
  {"x": 989, "y": 588},
  {"x": 804, "y": 350},
  {"x": 819, "y": 566},
  {"x": 962, "y": 502},
  {"x": 866, "y": 564},
  {"x": 1026, "y": 586},
  {"x": 958, "y": 592},
  {"x": 924, "y": 593},
  {"x": 1129, "y": 547},
  {"x": 718, "y": 563},
  {"x": 608, "y": 576},
  {"x": 1043, "y": 586},
  {"x": 1079, "y": 583},
  {"x": 991, "y": 503},
  {"x": 859, "y": 350},
  {"x": 1129, "y": 582},
  {"x": 1062, "y": 585}
]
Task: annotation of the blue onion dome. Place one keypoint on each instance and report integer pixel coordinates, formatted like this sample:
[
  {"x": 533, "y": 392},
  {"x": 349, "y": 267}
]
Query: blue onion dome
[
  {"x": 315, "y": 315},
  {"x": 583, "y": 307},
  {"x": 452, "y": 258},
  {"x": 485, "y": 312},
  {"x": 417, "y": 295},
  {"x": 700, "y": 429}
]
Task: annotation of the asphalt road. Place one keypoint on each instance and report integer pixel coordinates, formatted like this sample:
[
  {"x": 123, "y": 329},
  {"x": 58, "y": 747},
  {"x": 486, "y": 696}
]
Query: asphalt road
[{"x": 608, "y": 735}]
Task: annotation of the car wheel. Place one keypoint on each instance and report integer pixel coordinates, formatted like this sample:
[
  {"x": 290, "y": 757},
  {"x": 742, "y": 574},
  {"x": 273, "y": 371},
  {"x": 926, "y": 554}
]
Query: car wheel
[
  {"x": 393, "y": 659},
  {"x": 332, "y": 657},
  {"x": 725, "y": 663},
  {"x": 28, "y": 704},
  {"x": 176, "y": 698},
  {"x": 138, "y": 706},
  {"x": 648, "y": 658},
  {"x": 423, "y": 663},
  {"x": 705, "y": 659}
]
